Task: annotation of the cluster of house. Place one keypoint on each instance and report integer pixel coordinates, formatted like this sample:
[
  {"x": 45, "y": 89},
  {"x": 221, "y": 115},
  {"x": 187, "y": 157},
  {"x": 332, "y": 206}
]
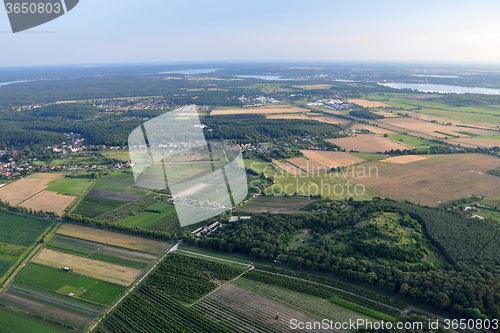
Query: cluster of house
[
  {"x": 27, "y": 107},
  {"x": 259, "y": 148},
  {"x": 212, "y": 227},
  {"x": 257, "y": 101},
  {"x": 335, "y": 104},
  {"x": 473, "y": 216},
  {"x": 132, "y": 104},
  {"x": 13, "y": 168},
  {"x": 206, "y": 229}
]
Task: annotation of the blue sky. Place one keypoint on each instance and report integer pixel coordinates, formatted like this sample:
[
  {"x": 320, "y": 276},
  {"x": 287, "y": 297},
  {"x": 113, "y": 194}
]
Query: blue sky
[{"x": 109, "y": 31}]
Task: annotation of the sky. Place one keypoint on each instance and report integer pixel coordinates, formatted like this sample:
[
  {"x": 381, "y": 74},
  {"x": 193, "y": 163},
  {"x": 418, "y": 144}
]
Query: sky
[{"x": 121, "y": 31}]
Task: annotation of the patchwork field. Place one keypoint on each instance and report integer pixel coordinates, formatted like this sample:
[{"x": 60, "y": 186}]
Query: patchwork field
[
  {"x": 332, "y": 159},
  {"x": 477, "y": 142},
  {"x": 286, "y": 205},
  {"x": 326, "y": 184},
  {"x": 113, "y": 238},
  {"x": 21, "y": 190},
  {"x": 404, "y": 159},
  {"x": 49, "y": 202},
  {"x": 373, "y": 129},
  {"x": 424, "y": 127},
  {"x": 308, "y": 165},
  {"x": 116, "y": 274},
  {"x": 333, "y": 120},
  {"x": 261, "y": 110},
  {"x": 368, "y": 143},
  {"x": 436, "y": 180},
  {"x": 367, "y": 104},
  {"x": 289, "y": 116},
  {"x": 291, "y": 169}
]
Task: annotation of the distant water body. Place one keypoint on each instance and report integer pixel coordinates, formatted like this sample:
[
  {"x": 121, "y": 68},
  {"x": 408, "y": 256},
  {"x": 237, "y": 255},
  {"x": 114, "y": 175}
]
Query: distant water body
[
  {"x": 265, "y": 77},
  {"x": 438, "y": 76},
  {"x": 442, "y": 88},
  {"x": 192, "y": 71}
]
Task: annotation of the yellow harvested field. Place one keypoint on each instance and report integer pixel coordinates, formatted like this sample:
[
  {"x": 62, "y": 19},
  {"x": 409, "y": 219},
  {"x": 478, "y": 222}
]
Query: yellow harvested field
[
  {"x": 261, "y": 110},
  {"x": 367, "y": 104},
  {"x": 310, "y": 166},
  {"x": 332, "y": 159},
  {"x": 438, "y": 179},
  {"x": 373, "y": 129},
  {"x": 404, "y": 159},
  {"x": 289, "y": 116},
  {"x": 113, "y": 238},
  {"x": 21, "y": 190},
  {"x": 477, "y": 142},
  {"x": 424, "y": 127},
  {"x": 49, "y": 202},
  {"x": 332, "y": 120},
  {"x": 89, "y": 267},
  {"x": 368, "y": 143},
  {"x": 289, "y": 168}
]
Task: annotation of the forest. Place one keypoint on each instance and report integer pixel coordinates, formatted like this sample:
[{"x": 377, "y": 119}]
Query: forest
[{"x": 465, "y": 282}]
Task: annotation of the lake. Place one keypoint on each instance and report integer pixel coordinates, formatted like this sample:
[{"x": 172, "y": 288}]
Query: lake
[
  {"x": 442, "y": 88},
  {"x": 192, "y": 71},
  {"x": 265, "y": 77}
]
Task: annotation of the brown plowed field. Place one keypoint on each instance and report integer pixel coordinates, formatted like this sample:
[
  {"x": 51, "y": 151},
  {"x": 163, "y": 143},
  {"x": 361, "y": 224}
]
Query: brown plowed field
[
  {"x": 438, "y": 179},
  {"x": 289, "y": 168},
  {"x": 367, "y": 104},
  {"x": 404, "y": 159},
  {"x": 49, "y": 202},
  {"x": 310, "y": 166},
  {"x": 332, "y": 159},
  {"x": 368, "y": 143}
]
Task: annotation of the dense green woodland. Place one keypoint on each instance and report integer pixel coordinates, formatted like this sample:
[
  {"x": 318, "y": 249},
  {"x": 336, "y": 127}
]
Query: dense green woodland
[
  {"x": 466, "y": 282},
  {"x": 36, "y": 129}
]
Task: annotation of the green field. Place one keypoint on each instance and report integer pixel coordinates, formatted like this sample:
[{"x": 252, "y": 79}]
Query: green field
[
  {"x": 318, "y": 184},
  {"x": 70, "y": 186},
  {"x": 420, "y": 144},
  {"x": 21, "y": 229},
  {"x": 64, "y": 283},
  {"x": 119, "y": 154},
  {"x": 12, "y": 321},
  {"x": 117, "y": 181},
  {"x": 118, "y": 261},
  {"x": 369, "y": 157},
  {"x": 146, "y": 219}
]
